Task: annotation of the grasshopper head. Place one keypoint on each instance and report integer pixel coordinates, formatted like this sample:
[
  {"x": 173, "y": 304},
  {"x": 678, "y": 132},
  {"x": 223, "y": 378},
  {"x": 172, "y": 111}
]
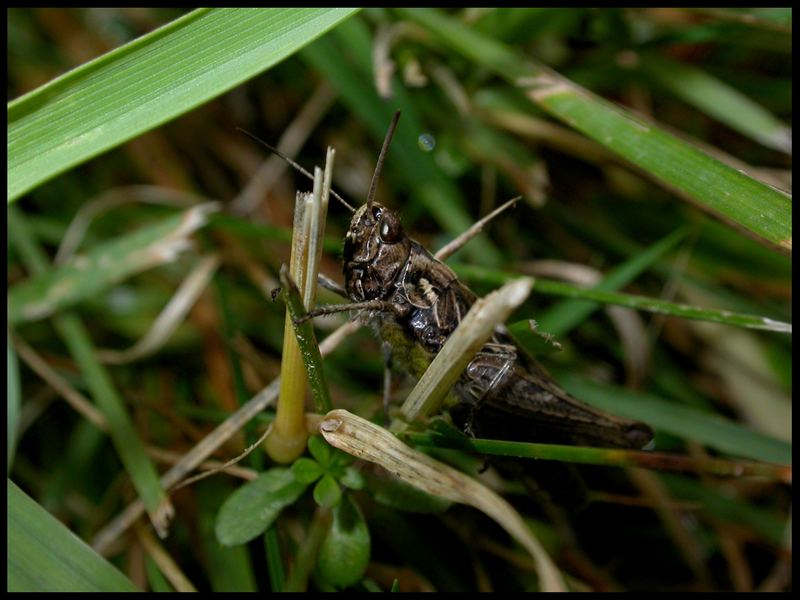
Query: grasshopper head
[{"x": 375, "y": 249}]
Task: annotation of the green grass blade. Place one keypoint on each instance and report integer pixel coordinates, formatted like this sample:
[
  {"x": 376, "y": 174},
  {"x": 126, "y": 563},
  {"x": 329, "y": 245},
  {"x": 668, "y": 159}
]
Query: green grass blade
[
  {"x": 147, "y": 82},
  {"x": 719, "y": 100},
  {"x": 654, "y": 305},
  {"x": 762, "y": 211},
  {"x": 123, "y": 434},
  {"x": 564, "y": 317},
  {"x": 53, "y": 290},
  {"x": 727, "y": 508},
  {"x": 771, "y": 19},
  {"x": 45, "y": 556},
  {"x": 12, "y": 401},
  {"x": 711, "y": 430},
  {"x": 272, "y": 546}
]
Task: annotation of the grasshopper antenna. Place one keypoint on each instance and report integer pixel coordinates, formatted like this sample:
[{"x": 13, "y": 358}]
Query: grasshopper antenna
[
  {"x": 379, "y": 166},
  {"x": 292, "y": 163}
]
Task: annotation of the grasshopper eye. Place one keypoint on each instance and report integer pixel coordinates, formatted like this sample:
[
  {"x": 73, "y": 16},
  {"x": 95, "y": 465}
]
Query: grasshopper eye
[{"x": 391, "y": 230}]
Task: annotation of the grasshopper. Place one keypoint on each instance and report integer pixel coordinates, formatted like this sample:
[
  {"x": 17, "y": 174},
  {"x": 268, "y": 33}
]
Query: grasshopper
[{"x": 414, "y": 302}]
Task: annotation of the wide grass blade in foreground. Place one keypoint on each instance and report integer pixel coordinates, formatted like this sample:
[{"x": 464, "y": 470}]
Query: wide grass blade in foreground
[
  {"x": 46, "y": 556},
  {"x": 149, "y": 81}
]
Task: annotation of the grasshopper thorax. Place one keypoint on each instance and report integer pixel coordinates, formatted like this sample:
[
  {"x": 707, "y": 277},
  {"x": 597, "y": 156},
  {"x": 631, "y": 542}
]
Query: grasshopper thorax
[{"x": 376, "y": 248}]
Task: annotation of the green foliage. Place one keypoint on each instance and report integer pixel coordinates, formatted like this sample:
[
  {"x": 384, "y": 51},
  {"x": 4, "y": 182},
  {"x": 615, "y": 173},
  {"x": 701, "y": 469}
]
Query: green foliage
[
  {"x": 147, "y": 82},
  {"x": 12, "y": 401},
  {"x": 45, "y": 556},
  {"x": 253, "y": 507},
  {"x": 345, "y": 552},
  {"x": 652, "y": 151}
]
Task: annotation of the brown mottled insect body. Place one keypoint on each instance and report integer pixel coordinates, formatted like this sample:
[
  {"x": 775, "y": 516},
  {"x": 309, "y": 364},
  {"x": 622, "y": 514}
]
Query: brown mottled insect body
[
  {"x": 415, "y": 302},
  {"x": 418, "y": 301}
]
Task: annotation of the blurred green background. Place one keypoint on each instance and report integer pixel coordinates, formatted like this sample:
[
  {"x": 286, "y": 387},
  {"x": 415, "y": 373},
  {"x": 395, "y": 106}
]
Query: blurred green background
[{"x": 596, "y": 201}]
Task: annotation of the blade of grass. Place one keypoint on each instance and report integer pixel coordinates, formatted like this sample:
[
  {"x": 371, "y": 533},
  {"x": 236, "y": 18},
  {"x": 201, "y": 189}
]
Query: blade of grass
[
  {"x": 719, "y": 506},
  {"x": 46, "y": 556},
  {"x": 655, "y": 305},
  {"x": 149, "y": 81},
  {"x": 123, "y": 434},
  {"x": 565, "y": 316},
  {"x": 277, "y": 575},
  {"x": 772, "y": 19},
  {"x": 719, "y": 100},
  {"x": 12, "y": 401},
  {"x": 732, "y": 196},
  {"x": 86, "y": 276},
  {"x": 708, "y": 429}
]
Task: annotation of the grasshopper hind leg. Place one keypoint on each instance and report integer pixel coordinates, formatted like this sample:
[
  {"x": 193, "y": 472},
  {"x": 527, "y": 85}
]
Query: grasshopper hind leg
[{"x": 485, "y": 374}]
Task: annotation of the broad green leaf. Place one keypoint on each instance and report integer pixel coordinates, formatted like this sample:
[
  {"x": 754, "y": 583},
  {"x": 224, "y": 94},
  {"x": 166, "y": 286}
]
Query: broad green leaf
[
  {"x": 45, "y": 556},
  {"x": 255, "y": 506},
  {"x": 149, "y": 81},
  {"x": 717, "y": 188},
  {"x": 345, "y": 552}
]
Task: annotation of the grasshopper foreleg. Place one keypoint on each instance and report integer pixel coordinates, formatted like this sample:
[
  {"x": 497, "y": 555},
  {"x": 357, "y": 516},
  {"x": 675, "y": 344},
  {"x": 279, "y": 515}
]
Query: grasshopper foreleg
[{"x": 370, "y": 305}]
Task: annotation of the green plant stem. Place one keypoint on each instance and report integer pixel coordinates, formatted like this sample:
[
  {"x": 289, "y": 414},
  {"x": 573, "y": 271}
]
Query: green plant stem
[
  {"x": 604, "y": 456},
  {"x": 307, "y": 341}
]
